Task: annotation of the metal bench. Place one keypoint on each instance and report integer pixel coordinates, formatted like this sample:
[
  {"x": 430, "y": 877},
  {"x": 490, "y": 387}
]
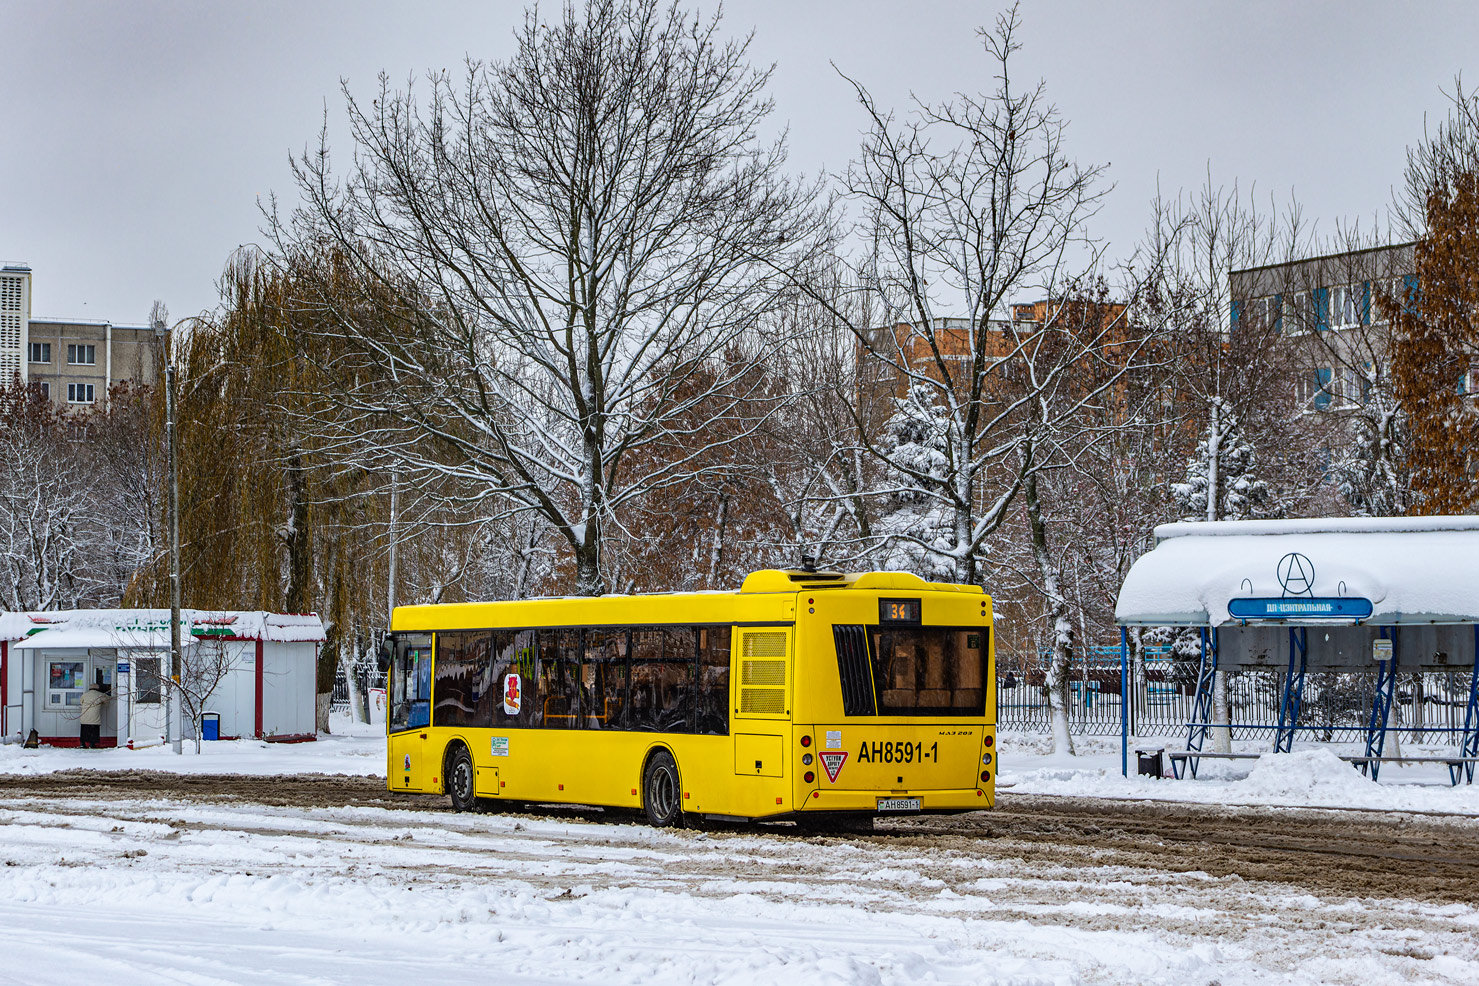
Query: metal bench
[{"x": 1454, "y": 763}]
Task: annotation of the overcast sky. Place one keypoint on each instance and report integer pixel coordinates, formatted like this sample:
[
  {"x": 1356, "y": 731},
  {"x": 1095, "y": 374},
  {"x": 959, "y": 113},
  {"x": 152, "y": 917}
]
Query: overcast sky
[{"x": 138, "y": 137}]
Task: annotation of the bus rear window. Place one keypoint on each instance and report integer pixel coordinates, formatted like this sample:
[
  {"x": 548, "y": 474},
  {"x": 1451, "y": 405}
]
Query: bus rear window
[{"x": 915, "y": 671}]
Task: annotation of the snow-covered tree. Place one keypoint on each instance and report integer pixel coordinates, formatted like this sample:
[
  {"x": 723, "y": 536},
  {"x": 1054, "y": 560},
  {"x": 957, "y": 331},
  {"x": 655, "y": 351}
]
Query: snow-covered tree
[
  {"x": 74, "y": 517},
  {"x": 1370, "y": 469},
  {"x": 915, "y": 524},
  {"x": 1222, "y": 481},
  {"x": 549, "y": 253}
]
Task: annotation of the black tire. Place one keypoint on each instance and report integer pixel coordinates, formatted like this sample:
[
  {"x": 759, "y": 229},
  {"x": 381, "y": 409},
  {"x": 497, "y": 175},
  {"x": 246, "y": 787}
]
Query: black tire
[
  {"x": 662, "y": 793},
  {"x": 461, "y": 780}
]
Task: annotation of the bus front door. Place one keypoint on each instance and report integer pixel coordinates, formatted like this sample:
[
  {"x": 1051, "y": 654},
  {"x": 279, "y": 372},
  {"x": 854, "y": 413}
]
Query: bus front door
[{"x": 412, "y": 765}]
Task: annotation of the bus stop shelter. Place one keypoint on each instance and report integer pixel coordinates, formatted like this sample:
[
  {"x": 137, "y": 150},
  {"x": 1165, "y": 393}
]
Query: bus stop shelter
[{"x": 1374, "y": 595}]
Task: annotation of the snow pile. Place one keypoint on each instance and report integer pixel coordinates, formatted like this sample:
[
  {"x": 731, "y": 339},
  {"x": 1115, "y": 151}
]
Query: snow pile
[{"x": 1308, "y": 777}]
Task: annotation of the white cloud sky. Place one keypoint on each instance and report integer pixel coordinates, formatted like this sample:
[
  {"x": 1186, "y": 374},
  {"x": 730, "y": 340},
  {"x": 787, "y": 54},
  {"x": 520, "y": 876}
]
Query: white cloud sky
[{"x": 137, "y": 137}]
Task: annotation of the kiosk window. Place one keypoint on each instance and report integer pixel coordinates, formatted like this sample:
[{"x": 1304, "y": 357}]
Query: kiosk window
[
  {"x": 147, "y": 686},
  {"x": 65, "y": 683}
]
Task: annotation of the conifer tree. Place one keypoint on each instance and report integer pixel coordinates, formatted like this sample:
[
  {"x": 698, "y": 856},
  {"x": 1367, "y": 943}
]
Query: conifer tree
[
  {"x": 916, "y": 524},
  {"x": 1221, "y": 478}
]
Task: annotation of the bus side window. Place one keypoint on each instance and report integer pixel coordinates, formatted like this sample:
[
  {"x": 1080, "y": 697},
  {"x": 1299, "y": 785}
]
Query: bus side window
[
  {"x": 713, "y": 681},
  {"x": 604, "y": 680},
  {"x": 559, "y": 679},
  {"x": 513, "y": 654},
  {"x": 462, "y": 672},
  {"x": 662, "y": 679}
]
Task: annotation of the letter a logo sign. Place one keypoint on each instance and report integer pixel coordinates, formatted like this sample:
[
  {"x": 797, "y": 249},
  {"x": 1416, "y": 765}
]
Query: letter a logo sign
[{"x": 833, "y": 762}]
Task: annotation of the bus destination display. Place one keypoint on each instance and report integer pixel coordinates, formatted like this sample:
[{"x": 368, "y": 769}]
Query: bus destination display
[{"x": 898, "y": 611}]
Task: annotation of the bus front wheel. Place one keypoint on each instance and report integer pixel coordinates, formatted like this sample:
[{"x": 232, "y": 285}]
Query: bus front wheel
[
  {"x": 661, "y": 792},
  {"x": 460, "y": 780}
]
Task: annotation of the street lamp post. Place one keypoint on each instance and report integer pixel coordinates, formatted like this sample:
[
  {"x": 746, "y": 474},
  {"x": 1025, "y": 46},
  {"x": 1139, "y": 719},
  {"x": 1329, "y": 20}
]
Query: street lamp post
[{"x": 174, "y": 725}]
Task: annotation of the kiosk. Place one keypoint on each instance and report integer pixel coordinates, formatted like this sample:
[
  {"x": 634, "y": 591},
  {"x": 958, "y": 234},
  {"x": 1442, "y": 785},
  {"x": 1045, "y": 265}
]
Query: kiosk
[
  {"x": 47, "y": 661},
  {"x": 1379, "y": 595}
]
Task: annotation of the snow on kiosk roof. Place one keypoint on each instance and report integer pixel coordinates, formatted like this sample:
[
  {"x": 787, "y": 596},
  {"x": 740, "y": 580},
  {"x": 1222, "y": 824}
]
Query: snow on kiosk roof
[
  {"x": 149, "y": 628},
  {"x": 1341, "y": 570}
]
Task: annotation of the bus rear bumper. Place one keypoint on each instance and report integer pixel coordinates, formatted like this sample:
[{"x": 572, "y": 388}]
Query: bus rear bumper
[{"x": 962, "y": 799}]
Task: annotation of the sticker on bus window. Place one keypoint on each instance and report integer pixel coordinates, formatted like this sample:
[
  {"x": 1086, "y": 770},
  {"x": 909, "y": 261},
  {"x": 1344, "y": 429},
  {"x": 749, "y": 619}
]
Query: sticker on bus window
[
  {"x": 833, "y": 763},
  {"x": 500, "y": 746},
  {"x": 834, "y": 739},
  {"x": 512, "y": 694}
]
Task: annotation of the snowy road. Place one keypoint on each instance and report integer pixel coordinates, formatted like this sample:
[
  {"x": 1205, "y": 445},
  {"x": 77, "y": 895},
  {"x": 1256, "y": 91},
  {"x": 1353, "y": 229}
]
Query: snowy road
[{"x": 192, "y": 887}]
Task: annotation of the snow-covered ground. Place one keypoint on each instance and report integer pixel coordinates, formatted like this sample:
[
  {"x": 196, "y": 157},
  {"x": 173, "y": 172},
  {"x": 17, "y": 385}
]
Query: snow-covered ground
[
  {"x": 351, "y": 748},
  {"x": 142, "y": 891},
  {"x": 1312, "y": 777},
  {"x": 160, "y": 890},
  {"x": 1308, "y": 777}
]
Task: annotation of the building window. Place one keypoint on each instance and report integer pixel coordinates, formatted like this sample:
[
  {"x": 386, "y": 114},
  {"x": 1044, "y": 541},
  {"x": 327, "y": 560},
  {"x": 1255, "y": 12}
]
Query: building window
[
  {"x": 1315, "y": 390},
  {"x": 1297, "y": 316},
  {"x": 1346, "y": 305},
  {"x": 79, "y": 393},
  {"x": 80, "y": 355},
  {"x": 46, "y": 390},
  {"x": 40, "y": 352}
]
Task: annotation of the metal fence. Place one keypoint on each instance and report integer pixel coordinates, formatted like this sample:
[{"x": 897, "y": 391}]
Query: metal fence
[
  {"x": 368, "y": 677},
  {"x": 1336, "y": 707},
  {"x": 1335, "y": 710}
]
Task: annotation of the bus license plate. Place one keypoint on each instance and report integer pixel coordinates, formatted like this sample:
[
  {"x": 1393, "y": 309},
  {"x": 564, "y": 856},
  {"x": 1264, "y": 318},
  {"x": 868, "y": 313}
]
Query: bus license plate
[{"x": 898, "y": 804}]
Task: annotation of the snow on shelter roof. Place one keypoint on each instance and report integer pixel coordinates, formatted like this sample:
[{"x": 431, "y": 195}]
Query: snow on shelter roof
[
  {"x": 1414, "y": 570},
  {"x": 148, "y": 627}
]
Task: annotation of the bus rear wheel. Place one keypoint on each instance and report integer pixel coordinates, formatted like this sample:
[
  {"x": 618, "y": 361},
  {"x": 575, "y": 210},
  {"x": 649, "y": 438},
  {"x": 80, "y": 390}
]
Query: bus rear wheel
[
  {"x": 460, "y": 780},
  {"x": 661, "y": 791}
]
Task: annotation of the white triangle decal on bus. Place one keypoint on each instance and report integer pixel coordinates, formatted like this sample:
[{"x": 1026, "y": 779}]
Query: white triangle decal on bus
[{"x": 833, "y": 763}]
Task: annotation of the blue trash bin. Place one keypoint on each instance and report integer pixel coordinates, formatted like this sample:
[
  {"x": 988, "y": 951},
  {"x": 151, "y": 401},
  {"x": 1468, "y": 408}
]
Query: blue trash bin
[{"x": 210, "y": 725}]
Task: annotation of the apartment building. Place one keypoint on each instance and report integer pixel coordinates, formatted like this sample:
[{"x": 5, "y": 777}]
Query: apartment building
[
  {"x": 1333, "y": 309},
  {"x": 73, "y": 361},
  {"x": 15, "y": 312}
]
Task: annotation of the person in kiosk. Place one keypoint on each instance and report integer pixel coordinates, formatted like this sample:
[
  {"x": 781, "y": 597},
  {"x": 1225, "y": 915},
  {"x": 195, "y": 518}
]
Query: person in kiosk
[{"x": 94, "y": 701}]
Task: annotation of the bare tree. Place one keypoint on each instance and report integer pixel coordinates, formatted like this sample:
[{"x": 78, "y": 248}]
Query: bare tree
[
  {"x": 1236, "y": 391},
  {"x": 1341, "y": 310},
  {"x": 203, "y": 667},
  {"x": 1447, "y": 152},
  {"x": 964, "y": 205},
  {"x": 549, "y": 253},
  {"x": 74, "y": 514}
]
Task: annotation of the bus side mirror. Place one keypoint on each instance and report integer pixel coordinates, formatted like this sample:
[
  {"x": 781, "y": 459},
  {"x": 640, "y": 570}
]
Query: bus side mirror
[{"x": 387, "y": 652}]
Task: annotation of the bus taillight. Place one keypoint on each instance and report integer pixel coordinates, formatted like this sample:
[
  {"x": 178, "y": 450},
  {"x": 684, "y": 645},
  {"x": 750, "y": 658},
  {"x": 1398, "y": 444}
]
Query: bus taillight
[
  {"x": 985, "y": 775},
  {"x": 809, "y": 776},
  {"x": 990, "y": 740},
  {"x": 806, "y": 741}
]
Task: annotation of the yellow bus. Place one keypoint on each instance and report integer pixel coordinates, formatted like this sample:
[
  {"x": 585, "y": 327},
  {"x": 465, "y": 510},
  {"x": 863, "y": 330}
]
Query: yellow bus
[{"x": 817, "y": 696}]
